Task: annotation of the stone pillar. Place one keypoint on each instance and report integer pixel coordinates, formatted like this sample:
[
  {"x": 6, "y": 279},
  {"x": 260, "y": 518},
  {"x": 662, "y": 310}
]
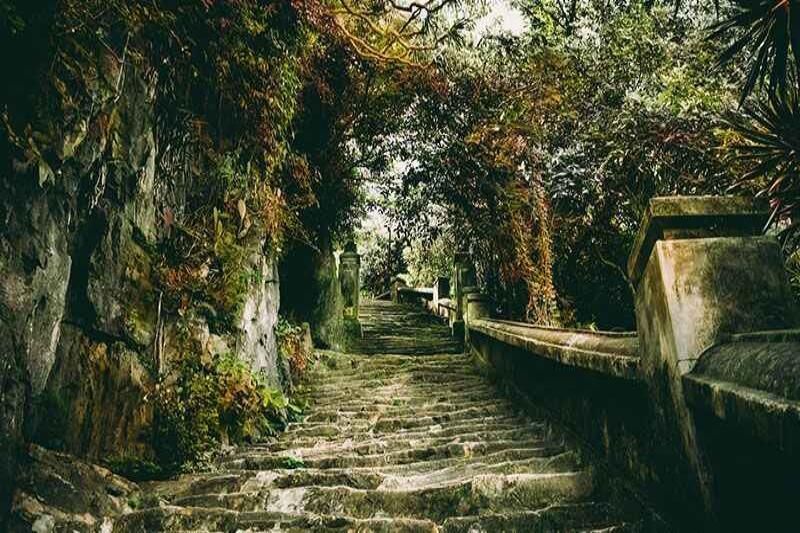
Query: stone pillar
[
  {"x": 441, "y": 290},
  {"x": 477, "y": 305},
  {"x": 463, "y": 276},
  {"x": 350, "y": 282},
  {"x": 701, "y": 269}
]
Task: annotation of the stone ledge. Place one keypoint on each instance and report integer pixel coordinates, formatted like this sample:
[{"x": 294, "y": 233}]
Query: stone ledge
[
  {"x": 771, "y": 418},
  {"x": 763, "y": 361},
  {"x": 686, "y": 217},
  {"x": 613, "y": 354}
]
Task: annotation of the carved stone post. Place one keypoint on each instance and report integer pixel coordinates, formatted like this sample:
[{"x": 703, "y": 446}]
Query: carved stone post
[
  {"x": 701, "y": 269},
  {"x": 350, "y": 283},
  {"x": 441, "y": 290},
  {"x": 477, "y": 306},
  {"x": 463, "y": 276}
]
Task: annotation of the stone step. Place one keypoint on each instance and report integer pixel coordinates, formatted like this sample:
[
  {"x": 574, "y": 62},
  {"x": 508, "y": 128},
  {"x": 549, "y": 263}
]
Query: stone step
[
  {"x": 267, "y": 461},
  {"x": 361, "y": 428},
  {"x": 391, "y": 411},
  {"x": 331, "y": 435},
  {"x": 369, "y": 478},
  {"x": 407, "y": 397},
  {"x": 432, "y": 412},
  {"x": 176, "y": 518},
  {"x": 394, "y": 363},
  {"x": 413, "y": 377},
  {"x": 375, "y": 446},
  {"x": 480, "y": 494},
  {"x": 420, "y": 390},
  {"x": 468, "y": 433}
]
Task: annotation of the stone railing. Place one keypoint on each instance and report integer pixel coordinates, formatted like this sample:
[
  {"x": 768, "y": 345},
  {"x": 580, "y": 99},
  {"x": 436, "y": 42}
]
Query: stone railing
[{"x": 700, "y": 409}]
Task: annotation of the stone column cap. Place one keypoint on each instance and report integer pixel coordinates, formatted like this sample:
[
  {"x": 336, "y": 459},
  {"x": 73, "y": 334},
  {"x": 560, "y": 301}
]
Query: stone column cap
[{"x": 687, "y": 217}]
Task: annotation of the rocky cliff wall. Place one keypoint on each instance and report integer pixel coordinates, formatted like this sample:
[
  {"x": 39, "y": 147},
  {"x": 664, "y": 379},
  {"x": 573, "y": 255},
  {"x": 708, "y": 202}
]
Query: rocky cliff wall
[{"x": 85, "y": 333}]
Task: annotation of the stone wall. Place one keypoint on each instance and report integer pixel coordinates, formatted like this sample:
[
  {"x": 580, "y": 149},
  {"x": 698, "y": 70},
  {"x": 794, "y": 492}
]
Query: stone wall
[{"x": 83, "y": 335}]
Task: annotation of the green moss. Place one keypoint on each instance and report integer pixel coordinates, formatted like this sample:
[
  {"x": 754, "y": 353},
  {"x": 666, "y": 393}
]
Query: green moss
[{"x": 292, "y": 463}]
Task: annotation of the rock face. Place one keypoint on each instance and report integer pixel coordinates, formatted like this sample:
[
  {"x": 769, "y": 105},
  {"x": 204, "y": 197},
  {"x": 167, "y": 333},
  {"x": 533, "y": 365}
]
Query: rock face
[
  {"x": 395, "y": 443},
  {"x": 60, "y": 493},
  {"x": 82, "y": 333},
  {"x": 256, "y": 341}
]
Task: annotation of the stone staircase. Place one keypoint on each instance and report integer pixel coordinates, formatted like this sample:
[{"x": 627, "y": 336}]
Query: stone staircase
[
  {"x": 395, "y": 443},
  {"x": 406, "y": 329}
]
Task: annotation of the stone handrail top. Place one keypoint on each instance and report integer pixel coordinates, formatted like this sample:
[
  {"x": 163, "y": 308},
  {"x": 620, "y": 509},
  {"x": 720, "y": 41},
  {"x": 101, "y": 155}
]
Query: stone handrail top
[
  {"x": 566, "y": 330},
  {"x": 615, "y": 355}
]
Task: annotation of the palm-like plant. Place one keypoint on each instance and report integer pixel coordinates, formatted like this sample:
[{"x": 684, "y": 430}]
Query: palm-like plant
[
  {"x": 770, "y": 143},
  {"x": 769, "y": 31}
]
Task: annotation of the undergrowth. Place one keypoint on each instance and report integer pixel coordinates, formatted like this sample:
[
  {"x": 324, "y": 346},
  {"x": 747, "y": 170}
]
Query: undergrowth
[
  {"x": 210, "y": 403},
  {"x": 292, "y": 346}
]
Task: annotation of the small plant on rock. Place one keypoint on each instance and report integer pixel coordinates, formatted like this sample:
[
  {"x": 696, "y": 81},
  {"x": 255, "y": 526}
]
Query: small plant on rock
[{"x": 292, "y": 346}]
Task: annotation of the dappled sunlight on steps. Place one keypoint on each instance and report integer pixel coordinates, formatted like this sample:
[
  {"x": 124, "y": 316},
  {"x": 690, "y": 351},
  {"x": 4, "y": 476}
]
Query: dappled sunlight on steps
[
  {"x": 392, "y": 328},
  {"x": 396, "y": 443}
]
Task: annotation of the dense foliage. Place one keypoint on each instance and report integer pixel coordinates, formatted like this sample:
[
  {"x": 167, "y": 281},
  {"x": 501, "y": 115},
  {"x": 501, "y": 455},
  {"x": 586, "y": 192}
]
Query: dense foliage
[{"x": 538, "y": 151}]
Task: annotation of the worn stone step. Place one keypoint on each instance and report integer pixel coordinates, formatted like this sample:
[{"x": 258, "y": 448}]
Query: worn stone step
[
  {"x": 357, "y": 366},
  {"x": 404, "y": 439},
  {"x": 364, "y": 429},
  {"x": 392, "y": 406},
  {"x": 403, "y": 392},
  {"x": 481, "y": 494},
  {"x": 331, "y": 395},
  {"x": 349, "y": 368},
  {"x": 345, "y": 399},
  {"x": 410, "y": 377},
  {"x": 268, "y": 461},
  {"x": 374, "y": 446},
  {"x": 430, "y": 412},
  {"x": 334, "y": 432},
  {"x": 366, "y": 478},
  {"x": 176, "y": 518}
]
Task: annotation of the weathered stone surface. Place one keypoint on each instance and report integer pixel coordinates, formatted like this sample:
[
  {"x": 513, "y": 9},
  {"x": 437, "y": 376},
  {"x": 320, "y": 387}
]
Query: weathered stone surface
[
  {"x": 120, "y": 289},
  {"x": 96, "y": 401},
  {"x": 255, "y": 341},
  {"x": 80, "y": 257},
  {"x": 58, "y": 492},
  {"x": 614, "y": 354},
  {"x": 682, "y": 217}
]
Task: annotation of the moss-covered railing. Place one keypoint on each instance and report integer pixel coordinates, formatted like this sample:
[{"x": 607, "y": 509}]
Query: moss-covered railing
[{"x": 700, "y": 408}]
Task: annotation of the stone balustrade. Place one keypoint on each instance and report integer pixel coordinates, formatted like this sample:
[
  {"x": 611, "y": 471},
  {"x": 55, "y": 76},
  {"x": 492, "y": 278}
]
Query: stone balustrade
[{"x": 699, "y": 410}]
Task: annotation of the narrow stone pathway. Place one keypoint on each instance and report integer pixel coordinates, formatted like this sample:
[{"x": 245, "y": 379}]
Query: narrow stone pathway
[{"x": 396, "y": 443}]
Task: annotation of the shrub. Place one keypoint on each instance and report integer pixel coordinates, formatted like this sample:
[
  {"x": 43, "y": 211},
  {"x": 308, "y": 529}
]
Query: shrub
[
  {"x": 291, "y": 345},
  {"x": 205, "y": 404}
]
